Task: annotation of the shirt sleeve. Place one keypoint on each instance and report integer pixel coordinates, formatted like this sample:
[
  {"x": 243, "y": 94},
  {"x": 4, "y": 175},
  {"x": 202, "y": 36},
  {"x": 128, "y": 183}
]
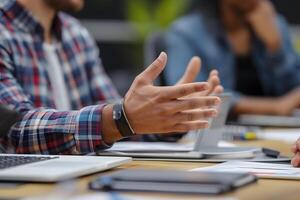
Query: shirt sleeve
[
  {"x": 100, "y": 84},
  {"x": 44, "y": 130}
]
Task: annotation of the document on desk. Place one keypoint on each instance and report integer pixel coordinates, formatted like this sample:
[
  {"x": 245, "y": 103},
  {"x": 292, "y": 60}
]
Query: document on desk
[
  {"x": 107, "y": 196},
  {"x": 261, "y": 170},
  {"x": 289, "y": 135}
]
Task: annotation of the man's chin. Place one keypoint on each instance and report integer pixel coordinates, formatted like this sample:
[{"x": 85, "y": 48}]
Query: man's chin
[{"x": 66, "y": 5}]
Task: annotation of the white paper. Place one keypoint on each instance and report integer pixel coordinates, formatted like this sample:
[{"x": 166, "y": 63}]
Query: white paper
[
  {"x": 117, "y": 196},
  {"x": 263, "y": 170},
  {"x": 287, "y": 135},
  {"x": 154, "y": 196}
]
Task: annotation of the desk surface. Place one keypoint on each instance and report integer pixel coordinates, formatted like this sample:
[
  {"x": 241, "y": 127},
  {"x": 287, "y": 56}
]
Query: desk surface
[{"x": 263, "y": 189}]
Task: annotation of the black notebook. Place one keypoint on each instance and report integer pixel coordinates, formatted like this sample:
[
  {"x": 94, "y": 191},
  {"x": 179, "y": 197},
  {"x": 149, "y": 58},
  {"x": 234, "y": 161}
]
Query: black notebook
[{"x": 172, "y": 181}]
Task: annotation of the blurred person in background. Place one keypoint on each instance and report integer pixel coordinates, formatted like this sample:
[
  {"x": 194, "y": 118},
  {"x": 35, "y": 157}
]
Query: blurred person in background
[
  {"x": 50, "y": 72},
  {"x": 249, "y": 44}
]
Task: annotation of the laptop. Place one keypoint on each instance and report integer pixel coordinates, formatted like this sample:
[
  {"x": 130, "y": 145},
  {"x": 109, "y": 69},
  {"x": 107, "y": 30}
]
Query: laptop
[
  {"x": 42, "y": 168},
  {"x": 205, "y": 146},
  {"x": 269, "y": 121}
]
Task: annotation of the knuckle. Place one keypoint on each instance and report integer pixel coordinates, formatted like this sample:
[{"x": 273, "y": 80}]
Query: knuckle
[
  {"x": 162, "y": 96},
  {"x": 207, "y": 114},
  {"x": 201, "y": 125},
  {"x": 138, "y": 80},
  {"x": 182, "y": 92},
  {"x": 210, "y": 102},
  {"x": 180, "y": 128},
  {"x": 162, "y": 111},
  {"x": 190, "y": 117},
  {"x": 192, "y": 104}
]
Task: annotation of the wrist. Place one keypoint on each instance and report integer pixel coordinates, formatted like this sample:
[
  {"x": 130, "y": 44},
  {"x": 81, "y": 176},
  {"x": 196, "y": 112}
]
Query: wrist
[
  {"x": 121, "y": 120},
  {"x": 110, "y": 133}
]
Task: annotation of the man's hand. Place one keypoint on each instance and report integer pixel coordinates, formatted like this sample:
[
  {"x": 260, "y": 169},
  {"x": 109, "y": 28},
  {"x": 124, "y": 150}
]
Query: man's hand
[
  {"x": 152, "y": 109},
  {"x": 263, "y": 22},
  {"x": 296, "y": 150},
  {"x": 192, "y": 72}
]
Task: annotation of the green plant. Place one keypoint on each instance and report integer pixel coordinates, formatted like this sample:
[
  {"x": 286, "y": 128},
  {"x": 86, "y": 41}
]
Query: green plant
[{"x": 151, "y": 15}]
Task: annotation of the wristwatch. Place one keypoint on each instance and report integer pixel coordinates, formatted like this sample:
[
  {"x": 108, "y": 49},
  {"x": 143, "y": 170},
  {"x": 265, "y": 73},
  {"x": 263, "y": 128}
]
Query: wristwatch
[{"x": 121, "y": 120}]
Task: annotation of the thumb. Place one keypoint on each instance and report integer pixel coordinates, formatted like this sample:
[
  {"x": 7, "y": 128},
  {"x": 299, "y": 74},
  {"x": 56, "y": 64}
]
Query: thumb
[
  {"x": 153, "y": 71},
  {"x": 192, "y": 71}
]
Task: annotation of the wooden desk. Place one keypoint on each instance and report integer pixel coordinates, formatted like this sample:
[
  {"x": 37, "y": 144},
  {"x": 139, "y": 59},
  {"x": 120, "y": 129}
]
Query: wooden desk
[{"x": 263, "y": 189}]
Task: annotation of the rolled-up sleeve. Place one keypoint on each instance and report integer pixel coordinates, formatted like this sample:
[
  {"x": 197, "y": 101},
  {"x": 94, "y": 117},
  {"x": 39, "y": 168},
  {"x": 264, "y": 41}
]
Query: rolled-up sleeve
[{"x": 45, "y": 130}]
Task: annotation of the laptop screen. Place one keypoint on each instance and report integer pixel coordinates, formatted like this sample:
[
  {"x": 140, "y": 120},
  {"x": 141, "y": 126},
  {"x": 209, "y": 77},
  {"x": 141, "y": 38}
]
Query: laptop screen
[{"x": 212, "y": 136}]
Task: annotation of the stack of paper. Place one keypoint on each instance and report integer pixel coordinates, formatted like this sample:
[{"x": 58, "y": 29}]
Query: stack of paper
[
  {"x": 287, "y": 135},
  {"x": 262, "y": 170}
]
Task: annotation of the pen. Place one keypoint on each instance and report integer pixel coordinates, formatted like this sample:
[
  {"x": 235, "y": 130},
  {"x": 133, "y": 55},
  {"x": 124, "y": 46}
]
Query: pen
[
  {"x": 271, "y": 153},
  {"x": 245, "y": 136}
]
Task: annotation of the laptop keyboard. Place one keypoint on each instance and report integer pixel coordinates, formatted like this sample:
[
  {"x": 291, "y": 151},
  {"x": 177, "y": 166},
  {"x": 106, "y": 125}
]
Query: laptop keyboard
[{"x": 12, "y": 161}]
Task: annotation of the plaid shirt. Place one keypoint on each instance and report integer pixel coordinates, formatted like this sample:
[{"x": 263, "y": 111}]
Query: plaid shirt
[{"x": 25, "y": 85}]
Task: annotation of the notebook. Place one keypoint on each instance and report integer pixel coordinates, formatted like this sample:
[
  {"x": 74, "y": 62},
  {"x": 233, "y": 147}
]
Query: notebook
[
  {"x": 173, "y": 181},
  {"x": 261, "y": 170}
]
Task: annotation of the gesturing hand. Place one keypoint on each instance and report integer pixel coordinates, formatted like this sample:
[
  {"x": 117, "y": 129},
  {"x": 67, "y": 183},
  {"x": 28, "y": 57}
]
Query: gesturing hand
[
  {"x": 191, "y": 73},
  {"x": 154, "y": 109}
]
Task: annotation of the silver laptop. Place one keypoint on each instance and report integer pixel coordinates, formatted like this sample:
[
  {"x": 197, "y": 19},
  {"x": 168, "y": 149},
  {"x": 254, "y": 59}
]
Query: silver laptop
[
  {"x": 206, "y": 144},
  {"x": 40, "y": 168}
]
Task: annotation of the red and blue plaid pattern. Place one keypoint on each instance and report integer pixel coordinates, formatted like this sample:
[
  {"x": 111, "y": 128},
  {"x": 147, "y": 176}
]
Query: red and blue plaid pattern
[{"x": 25, "y": 85}]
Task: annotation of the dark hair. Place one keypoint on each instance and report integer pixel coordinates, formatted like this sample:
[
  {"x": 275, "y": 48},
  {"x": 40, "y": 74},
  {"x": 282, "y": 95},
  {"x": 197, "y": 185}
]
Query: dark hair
[{"x": 208, "y": 8}]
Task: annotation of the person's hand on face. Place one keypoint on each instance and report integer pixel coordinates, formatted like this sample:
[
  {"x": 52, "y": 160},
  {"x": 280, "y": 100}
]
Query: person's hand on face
[
  {"x": 296, "y": 150},
  {"x": 234, "y": 12},
  {"x": 245, "y": 6},
  {"x": 155, "y": 109},
  {"x": 262, "y": 19}
]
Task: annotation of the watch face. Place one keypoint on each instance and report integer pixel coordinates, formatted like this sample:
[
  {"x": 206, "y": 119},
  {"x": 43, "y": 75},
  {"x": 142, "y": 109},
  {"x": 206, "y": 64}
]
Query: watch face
[{"x": 117, "y": 115}]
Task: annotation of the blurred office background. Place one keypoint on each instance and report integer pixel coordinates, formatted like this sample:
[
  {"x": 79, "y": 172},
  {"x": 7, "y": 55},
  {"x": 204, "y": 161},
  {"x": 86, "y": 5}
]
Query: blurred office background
[{"x": 120, "y": 28}]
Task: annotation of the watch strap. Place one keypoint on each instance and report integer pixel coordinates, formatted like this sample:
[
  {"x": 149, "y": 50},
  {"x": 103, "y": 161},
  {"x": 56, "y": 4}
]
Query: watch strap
[{"x": 121, "y": 120}]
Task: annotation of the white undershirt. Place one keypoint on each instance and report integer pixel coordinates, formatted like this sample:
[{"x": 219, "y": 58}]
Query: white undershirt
[{"x": 56, "y": 76}]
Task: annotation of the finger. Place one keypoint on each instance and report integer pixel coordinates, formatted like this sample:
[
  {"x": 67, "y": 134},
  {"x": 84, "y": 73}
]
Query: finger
[
  {"x": 189, "y": 126},
  {"x": 192, "y": 71},
  {"x": 153, "y": 71},
  {"x": 195, "y": 103},
  {"x": 218, "y": 90},
  {"x": 213, "y": 81},
  {"x": 178, "y": 91},
  {"x": 296, "y": 160},
  {"x": 214, "y": 72},
  {"x": 195, "y": 115},
  {"x": 297, "y": 144},
  {"x": 294, "y": 149}
]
